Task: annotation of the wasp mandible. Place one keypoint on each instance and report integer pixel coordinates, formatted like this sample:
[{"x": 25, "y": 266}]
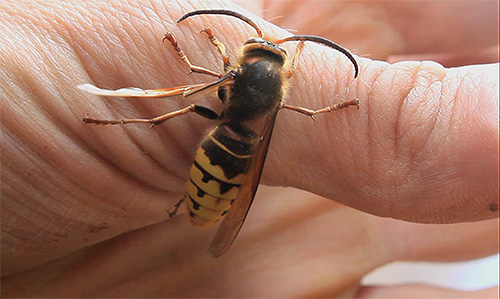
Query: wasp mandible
[{"x": 228, "y": 164}]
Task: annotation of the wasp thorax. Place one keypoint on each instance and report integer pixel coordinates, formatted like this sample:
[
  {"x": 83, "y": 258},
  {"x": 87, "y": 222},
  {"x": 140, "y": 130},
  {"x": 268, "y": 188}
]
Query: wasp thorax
[{"x": 255, "y": 90}]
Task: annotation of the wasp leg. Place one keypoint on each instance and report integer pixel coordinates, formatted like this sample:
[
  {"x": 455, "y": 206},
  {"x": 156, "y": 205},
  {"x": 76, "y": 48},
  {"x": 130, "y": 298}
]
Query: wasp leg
[
  {"x": 176, "y": 207},
  {"x": 311, "y": 112},
  {"x": 220, "y": 46},
  {"x": 203, "y": 111},
  {"x": 193, "y": 68},
  {"x": 295, "y": 59}
]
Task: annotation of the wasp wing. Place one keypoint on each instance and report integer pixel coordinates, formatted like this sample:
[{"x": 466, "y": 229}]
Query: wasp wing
[
  {"x": 231, "y": 225},
  {"x": 138, "y": 92},
  {"x": 184, "y": 90}
]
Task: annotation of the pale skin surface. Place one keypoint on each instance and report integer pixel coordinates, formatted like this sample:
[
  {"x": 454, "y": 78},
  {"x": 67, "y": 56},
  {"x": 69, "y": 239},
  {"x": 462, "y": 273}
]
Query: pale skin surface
[{"x": 423, "y": 147}]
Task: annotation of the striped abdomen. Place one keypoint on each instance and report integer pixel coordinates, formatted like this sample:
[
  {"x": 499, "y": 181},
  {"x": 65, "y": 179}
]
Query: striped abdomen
[{"x": 218, "y": 170}]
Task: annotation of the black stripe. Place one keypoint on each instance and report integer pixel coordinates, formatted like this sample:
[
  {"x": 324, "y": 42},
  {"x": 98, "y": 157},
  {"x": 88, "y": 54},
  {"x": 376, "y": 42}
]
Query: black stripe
[
  {"x": 223, "y": 186},
  {"x": 231, "y": 165},
  {"x": 239, "y": 140},
  {"x": 199, "y": 192},
  {"x": 196, "y": 205}
]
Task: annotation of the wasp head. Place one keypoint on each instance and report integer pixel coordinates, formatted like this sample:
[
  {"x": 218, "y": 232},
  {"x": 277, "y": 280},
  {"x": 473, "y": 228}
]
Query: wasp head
[{"x": 260, "y": 47}]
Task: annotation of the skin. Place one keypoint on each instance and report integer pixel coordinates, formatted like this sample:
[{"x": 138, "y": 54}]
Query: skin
[{"x": 84, "y": 208}]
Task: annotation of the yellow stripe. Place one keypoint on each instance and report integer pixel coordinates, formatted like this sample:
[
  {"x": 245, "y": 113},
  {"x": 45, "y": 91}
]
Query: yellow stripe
[
  {"x": 216, "y": 170},
  {"x": 222, "y": 146},
  {"x": 204, "y": 212},
  {"x": 208, "y": 201},
  {"x": 198, "y": 221}
]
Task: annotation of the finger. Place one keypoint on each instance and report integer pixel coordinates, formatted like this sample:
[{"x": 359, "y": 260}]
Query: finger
[
  {"x": 422, "y": 291},
  {"x": 85, "y": 184},
  {"x": 322, "y": 227},
  {"x": 325, "y": 227},
  {"x": 147, "y": 202},
  {"x": 388, "y": 28},
  {"x": 68, "y": 185},
  {"x": 81, "y": 185},
  {"x": 303, "y": 257},
  {"x": 486, "y": 77},
  {"x": 429, "y": 133},
  {"x": 324, "y": 251},
  {"x": 438, "y": 243}
]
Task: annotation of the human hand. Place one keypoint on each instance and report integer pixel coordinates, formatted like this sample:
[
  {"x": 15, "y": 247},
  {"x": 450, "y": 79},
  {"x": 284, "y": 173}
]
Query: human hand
[{"x": 425, "y": 156}]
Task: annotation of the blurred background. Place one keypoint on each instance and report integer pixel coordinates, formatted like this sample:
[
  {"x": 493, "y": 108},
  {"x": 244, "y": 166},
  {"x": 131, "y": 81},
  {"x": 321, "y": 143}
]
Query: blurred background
[{"x": 467, "y": 276}]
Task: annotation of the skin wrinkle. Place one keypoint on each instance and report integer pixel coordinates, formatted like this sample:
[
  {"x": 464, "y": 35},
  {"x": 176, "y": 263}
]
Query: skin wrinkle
[
  {"x": 307, "y": 71},
  {"x": 153, "y": 24},
  {"x": 453, "y": 103},
  {"x": 125, "y": 57},
  {"x": 114, "y": 161},
  {"x": 370, "y": 127},
  {"x": 410, "y": 158},
  {"x": 166, "y": 139},
  {"x": 74, "y": 183},
  {"x": 150, "y": 22},
  {"x": 110, "y": 108},
  {"x": 395, "y": 183},
  {"x": 103, "y": 40},
  {"x": 394, "y": 152},
  {"x": 312, "y": 74},
  {"x": 188, "y": 121},
  {"x": 130, "y": 36},
  {"x": 142, "y": 151},
  {"x": 364, "y": 100},
  {"x": 44, "y": 159},
  {"x": 342, "y": 121},
  {"x": 435, "y": 118},
  {"x": 186, "y": 155},
  {"x": 56, "y": 120},
  {"x": 123, "y": 35},
  {"x": 19, "y": 216},
  {"x": 27, "y": 181},
  {"x": 398, "y": 124},
  {"x": 468, "y": 87},
  {"x": 125, "y": 130},
  {"x": 109, "y": 157},
  {"x": 44, "y": 229}
]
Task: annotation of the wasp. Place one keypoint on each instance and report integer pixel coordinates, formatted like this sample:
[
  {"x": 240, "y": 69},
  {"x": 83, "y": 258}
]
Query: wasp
[{"x": 227, "y": 166}]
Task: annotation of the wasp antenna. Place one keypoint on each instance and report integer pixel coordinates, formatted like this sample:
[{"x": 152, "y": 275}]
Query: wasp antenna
[
  {"x": 323, "y": 41},
  {"x": 222, "y": 12}
]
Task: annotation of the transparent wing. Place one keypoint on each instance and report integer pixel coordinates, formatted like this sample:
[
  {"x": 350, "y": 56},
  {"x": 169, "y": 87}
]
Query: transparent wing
[
  {"x": 184, "y": 90},
  {"x": 231, "y": 225}
]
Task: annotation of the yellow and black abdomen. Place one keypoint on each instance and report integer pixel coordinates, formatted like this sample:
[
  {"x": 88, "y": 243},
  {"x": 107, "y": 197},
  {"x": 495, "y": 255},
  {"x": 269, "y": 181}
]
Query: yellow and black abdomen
[{"x": 218, "y": 170}]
